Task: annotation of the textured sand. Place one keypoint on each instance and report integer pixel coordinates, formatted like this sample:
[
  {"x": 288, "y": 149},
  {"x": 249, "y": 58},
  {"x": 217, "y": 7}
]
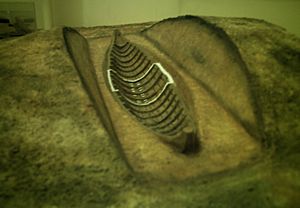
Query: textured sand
[{"x": 54, "y": 151}]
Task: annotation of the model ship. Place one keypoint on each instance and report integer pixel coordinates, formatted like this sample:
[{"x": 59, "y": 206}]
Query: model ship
[{"x": 148, "y": 92}]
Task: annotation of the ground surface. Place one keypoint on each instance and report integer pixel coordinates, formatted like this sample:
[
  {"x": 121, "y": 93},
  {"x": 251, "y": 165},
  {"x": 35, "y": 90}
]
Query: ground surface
[{"x": 55, "y": 152}]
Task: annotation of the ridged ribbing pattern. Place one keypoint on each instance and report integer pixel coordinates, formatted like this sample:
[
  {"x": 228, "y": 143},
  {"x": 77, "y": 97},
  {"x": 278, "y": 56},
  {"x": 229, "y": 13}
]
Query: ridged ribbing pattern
[{"x": 145, "y": 89}]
